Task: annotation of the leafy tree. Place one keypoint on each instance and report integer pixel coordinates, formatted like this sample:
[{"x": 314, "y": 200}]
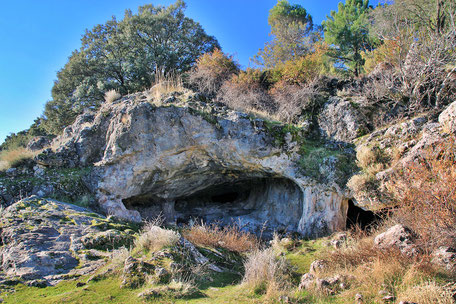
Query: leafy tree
[
  {"x": 125, "y": 56},
  {"x": 348, "y": 31},
  {"x": 291, "y": 29}
]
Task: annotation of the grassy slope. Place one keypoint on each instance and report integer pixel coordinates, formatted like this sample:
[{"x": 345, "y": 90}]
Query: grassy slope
[{"x": 225, "y": 287}]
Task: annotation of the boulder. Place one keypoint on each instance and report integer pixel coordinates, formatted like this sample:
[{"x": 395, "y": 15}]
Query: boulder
[
  {"x": 447, "y": 118},
  {"x": 38, "y": 143},
  {"x": 445, "y": 257},
  {"x": 399, "y": 237}
]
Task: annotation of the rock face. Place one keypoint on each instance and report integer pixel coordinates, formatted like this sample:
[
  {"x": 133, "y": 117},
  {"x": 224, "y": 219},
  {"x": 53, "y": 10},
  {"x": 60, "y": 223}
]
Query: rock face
[
  {"x": 447, "y": 118},
  {"x": 48, "y": 240},
  {"x": 341, "y": 121},
  {"x": 187, "y": 160},
  {"x": 38, "y": 143}
]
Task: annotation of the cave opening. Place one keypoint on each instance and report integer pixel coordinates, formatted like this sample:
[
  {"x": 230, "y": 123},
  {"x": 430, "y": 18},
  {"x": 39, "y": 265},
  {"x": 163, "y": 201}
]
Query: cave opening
[
  {"x": 253, "y": 203},
  {"x": 363, "y": 219}
]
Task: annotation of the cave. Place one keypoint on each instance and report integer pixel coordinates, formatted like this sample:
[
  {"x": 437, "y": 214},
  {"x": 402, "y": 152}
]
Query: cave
[
  {"x": 363, "y": 219},
  {"x": 258, "y": 204}
]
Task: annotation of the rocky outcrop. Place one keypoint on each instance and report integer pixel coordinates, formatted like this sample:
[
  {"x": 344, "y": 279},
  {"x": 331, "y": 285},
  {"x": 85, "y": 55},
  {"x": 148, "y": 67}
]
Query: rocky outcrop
[
  {"x": 192, "y": 159},
  {"x": 340, "y": 120},
  {"x": 447, "y": 118},
  {"x": 37, "y": 143},
  {"x": 50, "y": 241}
]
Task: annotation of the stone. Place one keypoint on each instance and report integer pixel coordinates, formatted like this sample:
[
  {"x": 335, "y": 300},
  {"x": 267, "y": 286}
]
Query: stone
[
  {"x": 445, "y": 257},
  {"x": 41, "y": 240},
  {"x": 359, "y": 299},
  {"x": 399, "y": 237},
  {"x": 201, "y": 161},
  {"x": 307, "y": 281},
  {"x": 38, "y": 143},
  {"x": 341, "y": 121},
  {"x": 447, "y": 118},
  {"x": 317, "y": 266}
]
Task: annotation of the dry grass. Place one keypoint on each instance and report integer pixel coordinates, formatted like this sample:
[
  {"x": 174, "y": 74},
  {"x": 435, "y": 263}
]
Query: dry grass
[
  {"x": 13, "y": 158},
  {"x": 266, "y": 272},
  {"x": 111, "y": 96},
  {"x": 228, "y": 237},
  {"x": 427, "y": 293},
  {"x": 119, "y": 256},
  {"x": 373, "y": 271},
  {"x": 163, "y": 85},
  {"x": 425, "y": 192},
  {"x": 153, "y": 238}
]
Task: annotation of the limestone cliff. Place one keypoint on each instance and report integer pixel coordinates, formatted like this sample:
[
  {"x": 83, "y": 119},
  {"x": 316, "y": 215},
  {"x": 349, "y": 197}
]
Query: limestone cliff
[{"x": 189, "y": 159}]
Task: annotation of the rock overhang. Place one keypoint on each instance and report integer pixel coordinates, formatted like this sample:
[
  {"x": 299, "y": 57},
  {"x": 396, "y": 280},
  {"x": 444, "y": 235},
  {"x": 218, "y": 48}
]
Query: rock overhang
[{"x": 172, "y": 152}]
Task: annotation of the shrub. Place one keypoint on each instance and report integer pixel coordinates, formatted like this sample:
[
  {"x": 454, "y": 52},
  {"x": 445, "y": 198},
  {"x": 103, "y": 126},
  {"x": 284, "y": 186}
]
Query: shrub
[
  {"x": 211, "y": 71},
  {"x": 294, "y": 100},
  {"x": 163, "y": 85},
  {"x": 246, "y": 98},
  {"x": 265, "y": 272},
  {"x": 111, "y": 95},
  {"x": 305, "y": 69},
  {"x": 153, "y": 238},
  {"x": 228, "y": 237},
  {"x": 13, "y": 158},
  {"x": 424, "y": 191}
]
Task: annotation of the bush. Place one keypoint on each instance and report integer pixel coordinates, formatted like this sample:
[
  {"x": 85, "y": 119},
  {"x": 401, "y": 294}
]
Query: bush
[
  {"x": 265, "y": 272},
  {"x": 112, "y": 95},
  {"x": 211, "y": 71},
  {"x": 153, "y": 238},
  {"x": 425, "y": 193},
  {"x": 240, "y": 96},
  {"x": 295, "y": 100},
  {"x": 164, "y": 85},
  {"x": 228, "y": 237},
  {"x": 305, "y": 69}
]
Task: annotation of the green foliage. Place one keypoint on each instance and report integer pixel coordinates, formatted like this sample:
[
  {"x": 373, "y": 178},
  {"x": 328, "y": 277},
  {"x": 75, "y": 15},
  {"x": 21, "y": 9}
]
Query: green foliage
[
  {"x": 291, "y": 29},
  {"x": 125, "y": 56},
  {"x": 348, "y": 31}
]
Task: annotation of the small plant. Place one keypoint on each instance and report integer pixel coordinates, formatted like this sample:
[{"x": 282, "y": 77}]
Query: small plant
[
  {"x": 111, "y": 96},
  {"x": 154, "y": 238},
  {"x": 266, "y": 272},
  {"x": 228, "y": 237},
  {"x": 164, "y": 84}
]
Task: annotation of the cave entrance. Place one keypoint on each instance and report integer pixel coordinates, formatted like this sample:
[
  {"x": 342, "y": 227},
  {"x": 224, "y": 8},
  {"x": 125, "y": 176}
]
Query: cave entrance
[
  {"x": 258, "y": 204},
  {"x": 358, "y": 217}
]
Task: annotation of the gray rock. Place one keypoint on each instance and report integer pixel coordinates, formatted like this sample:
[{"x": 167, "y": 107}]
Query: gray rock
[
  {"x": 447, "y": 118},
  {"x": 38, "y": 143},
  {"x": 39, "y": 240},
  {"x": 399, "y": 237},
  {"x": 445, "y": 257},
  {"x": 341, "y": 121},
  {"x": 203, "y": 162}
]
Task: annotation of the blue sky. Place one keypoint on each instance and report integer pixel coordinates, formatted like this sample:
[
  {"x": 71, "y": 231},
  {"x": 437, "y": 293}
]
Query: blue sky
[{"x": 37, "y": 36}]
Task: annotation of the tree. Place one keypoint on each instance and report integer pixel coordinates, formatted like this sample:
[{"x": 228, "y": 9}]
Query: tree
[
  {"x": 347, "y": 30},
  {"x": 291, "y": 29},
  {"x": 125, "y": 56}
]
